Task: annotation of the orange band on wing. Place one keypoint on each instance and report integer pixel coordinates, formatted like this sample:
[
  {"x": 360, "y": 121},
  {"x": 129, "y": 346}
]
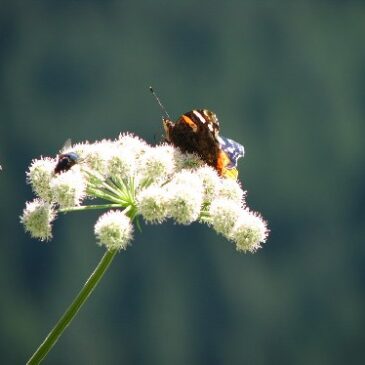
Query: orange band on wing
[
  {"x": 188, "y": 121},
  {"x": 222, "y": 162}
]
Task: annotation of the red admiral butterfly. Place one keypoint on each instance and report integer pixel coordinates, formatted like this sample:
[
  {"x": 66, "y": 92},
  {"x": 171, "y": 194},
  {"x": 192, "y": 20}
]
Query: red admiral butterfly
[{"x": 197, "y": 131}]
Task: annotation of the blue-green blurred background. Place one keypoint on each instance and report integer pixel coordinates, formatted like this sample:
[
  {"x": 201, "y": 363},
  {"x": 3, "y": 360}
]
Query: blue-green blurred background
[{"x": 287, "y": 81}]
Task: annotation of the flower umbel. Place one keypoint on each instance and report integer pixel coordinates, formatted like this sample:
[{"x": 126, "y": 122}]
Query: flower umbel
[{"x": 151, "y": 182}]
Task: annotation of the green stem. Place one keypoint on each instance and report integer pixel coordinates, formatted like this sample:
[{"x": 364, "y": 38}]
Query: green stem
[
  {"x": 90, "y": 207},
  {"x": 71, "y": 312}
]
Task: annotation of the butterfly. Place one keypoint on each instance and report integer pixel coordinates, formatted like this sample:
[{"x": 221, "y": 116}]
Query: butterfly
[{"x": 197, "y": 131}]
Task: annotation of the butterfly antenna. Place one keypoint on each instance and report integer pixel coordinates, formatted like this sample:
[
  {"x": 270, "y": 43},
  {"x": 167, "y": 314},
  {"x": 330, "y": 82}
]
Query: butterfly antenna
[{"x": 159, "y": 102}]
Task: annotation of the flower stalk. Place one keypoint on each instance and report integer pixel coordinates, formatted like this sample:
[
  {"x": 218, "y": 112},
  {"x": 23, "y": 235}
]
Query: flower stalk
[
  {"x": 73, "y": 309},
  {"x": 90, "y": 207}
]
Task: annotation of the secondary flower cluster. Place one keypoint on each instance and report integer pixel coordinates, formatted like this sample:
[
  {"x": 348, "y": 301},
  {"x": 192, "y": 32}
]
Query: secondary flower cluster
[{"x": 137, "y": 180}]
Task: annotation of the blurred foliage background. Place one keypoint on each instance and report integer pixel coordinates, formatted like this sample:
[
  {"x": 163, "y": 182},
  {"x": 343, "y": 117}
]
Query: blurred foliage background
[{"x": 286, "y": 80}]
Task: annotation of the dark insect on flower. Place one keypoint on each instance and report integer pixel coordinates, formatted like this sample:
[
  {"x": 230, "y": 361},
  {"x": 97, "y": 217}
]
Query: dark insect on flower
[
  {"x": 66, "y": 160},
  {"x": 197, "y": 131}
]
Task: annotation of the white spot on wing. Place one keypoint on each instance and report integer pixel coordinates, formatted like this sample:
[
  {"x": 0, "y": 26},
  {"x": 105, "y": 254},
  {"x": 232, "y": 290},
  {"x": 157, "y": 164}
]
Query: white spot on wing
[{"x": 199, "y": 116}]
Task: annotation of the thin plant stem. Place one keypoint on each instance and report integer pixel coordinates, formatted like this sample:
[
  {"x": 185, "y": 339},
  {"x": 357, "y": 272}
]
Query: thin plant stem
[
  {"x": 90, "y": 207},
  {"x": 73, "y": 309}
]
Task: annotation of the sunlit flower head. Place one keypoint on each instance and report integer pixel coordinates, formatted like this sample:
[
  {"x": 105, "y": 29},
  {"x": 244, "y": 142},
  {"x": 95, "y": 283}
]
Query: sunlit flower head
[
  {"x": 211, "y": 182},
  {"x": 39, "y": 177},
  {"x": 37, "y": 218},
  {"x": 249, "y": 231},
  {"x": 184, "y": 197},
  {"x": 135, "y": 145},
  {"x": 96, "y": 156},
  {"x": 152, "y": 204},
  {"x": 187, "y": 160},
  {"x": 224, "y": 214},
  {"x": 231, "y": 189},
  {"x": 156, "y": 163},
  {"x": 183, "y": 206},
  {"x": 68, "y": 188},
  {"x": 114, "y": 230},
  {"x": 121, "y": 163}
]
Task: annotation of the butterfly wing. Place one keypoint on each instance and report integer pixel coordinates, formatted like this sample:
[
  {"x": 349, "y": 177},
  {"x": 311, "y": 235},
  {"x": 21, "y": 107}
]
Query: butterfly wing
[{"x": 233, "y": 149}]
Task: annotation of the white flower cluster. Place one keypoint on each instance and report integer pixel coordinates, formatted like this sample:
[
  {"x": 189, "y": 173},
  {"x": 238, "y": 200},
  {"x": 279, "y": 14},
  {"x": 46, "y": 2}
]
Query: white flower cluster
[
  {"x": 114, "y": 230},
  {"x": 154, "y": 182}
]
